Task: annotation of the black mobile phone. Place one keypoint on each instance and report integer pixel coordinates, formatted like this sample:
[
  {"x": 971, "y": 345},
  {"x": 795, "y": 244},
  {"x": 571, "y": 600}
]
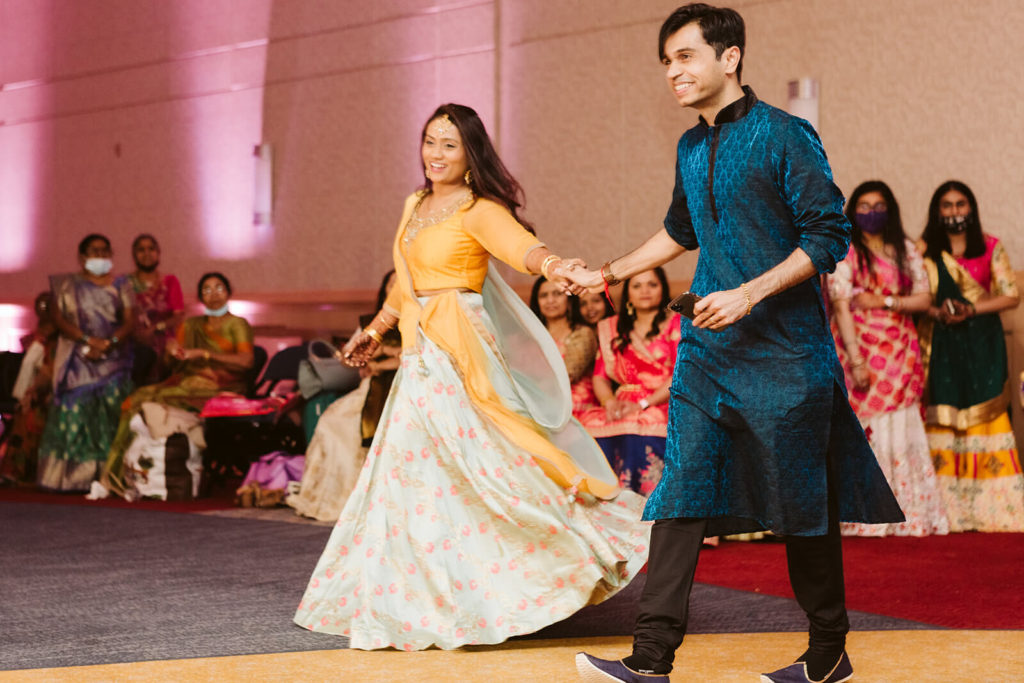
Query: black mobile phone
[{"x": 684, "y": 303}]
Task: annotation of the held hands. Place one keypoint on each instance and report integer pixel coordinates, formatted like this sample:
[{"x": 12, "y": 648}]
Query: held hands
[
  {"x": 951, "y": 312},
  {"x": 576, "y": 278}
]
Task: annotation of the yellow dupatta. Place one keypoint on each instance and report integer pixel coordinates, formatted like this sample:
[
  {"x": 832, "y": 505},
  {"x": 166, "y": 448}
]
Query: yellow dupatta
[{"x": 531, "y": 359}]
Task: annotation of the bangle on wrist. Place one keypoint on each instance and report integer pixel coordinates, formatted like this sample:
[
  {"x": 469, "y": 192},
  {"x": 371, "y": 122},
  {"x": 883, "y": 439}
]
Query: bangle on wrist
[
  {"x": 114, "y": 340},
  {"x": 547, "y": 262},
  {"x": 374, "y": 335}
]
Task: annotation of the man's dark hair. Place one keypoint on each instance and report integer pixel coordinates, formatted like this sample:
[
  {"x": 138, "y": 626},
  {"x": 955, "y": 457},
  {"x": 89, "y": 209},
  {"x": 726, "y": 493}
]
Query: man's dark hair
[{"x": 721, "y": 27}]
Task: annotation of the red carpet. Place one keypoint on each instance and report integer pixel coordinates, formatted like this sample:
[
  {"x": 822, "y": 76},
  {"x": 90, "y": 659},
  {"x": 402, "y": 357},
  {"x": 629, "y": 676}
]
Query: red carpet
[
  {"x": 969, "y": 580},
  {"x": 15, "y": 495}
]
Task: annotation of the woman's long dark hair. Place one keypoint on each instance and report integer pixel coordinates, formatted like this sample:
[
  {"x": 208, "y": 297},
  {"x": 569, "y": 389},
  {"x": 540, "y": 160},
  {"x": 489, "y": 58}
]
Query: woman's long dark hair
[
  {"x": 935, "y": 236},
  {"x": 489, "y": 177},
  {"x": 382, "y": 291},
  {"x": 573, "y": 314},
  {"x": 626, "y": 321},
  {"x": 892, "y": 234}
]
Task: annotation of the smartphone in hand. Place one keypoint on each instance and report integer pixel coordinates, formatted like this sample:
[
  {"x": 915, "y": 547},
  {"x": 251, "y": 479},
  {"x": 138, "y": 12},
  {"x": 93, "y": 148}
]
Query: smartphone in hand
[{"x": 684, "y": 303}]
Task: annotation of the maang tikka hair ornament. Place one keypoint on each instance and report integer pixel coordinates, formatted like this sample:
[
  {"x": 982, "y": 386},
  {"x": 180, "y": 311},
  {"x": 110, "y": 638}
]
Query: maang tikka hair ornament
[{"x": 444, "y": 124}]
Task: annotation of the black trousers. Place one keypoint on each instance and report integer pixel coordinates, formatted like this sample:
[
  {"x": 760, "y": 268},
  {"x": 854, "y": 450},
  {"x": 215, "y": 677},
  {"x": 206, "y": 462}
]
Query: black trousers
[{"x": 815, "y": 573}]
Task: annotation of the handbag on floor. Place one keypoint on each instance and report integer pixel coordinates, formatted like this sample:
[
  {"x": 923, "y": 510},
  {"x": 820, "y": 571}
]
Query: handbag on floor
[{"x": 323, "y": 371}]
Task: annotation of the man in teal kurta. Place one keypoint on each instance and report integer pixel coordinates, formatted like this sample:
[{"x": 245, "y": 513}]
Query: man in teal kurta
[{"x": 761, "y": 435}]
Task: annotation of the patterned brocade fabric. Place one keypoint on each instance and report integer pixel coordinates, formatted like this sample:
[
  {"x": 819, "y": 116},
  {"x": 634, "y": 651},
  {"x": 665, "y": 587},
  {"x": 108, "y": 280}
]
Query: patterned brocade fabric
[{"x": 741, "y": 451}]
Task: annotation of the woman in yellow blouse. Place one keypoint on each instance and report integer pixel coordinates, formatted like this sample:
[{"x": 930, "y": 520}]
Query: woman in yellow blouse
[{"x": 483, "y": 510}]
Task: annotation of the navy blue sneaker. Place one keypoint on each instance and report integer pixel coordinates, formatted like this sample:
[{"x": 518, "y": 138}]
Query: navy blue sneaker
[
  {"x": 594, "y": 670},
  {"x": 797, "y": 673}
]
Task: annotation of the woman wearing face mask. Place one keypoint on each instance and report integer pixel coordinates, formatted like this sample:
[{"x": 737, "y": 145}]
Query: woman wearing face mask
[
  {"x": 968, "y": 390},
  {"x": 92, "y": 368},
  {"x": 210, "y": 354},
  {"x": 873, "y": 292}
]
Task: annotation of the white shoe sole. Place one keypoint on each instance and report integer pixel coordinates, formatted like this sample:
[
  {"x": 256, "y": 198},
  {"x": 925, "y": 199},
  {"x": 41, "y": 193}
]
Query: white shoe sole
[{"x": 590, "y": 673}]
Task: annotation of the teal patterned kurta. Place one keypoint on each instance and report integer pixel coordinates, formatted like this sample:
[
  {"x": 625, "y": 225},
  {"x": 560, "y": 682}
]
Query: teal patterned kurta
[{"x": 753, "y": 407}]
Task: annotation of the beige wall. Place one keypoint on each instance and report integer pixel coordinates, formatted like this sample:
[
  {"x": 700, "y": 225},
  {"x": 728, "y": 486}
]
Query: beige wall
[{"x": 126, "y": 115}]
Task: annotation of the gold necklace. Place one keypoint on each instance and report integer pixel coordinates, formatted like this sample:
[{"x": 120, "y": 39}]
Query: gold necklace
[{"x": 417, "y": 222}]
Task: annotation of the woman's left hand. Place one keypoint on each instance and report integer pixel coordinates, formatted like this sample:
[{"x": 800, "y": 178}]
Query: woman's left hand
[
  {"x": 359, "y": 350},
  {"x": 867, "y": 300}
]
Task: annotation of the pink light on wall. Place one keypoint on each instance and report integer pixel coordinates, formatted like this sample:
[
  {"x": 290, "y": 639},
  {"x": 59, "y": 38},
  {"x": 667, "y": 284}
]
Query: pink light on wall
[
  {"x": 14, "y": 324},
  {"x": 222, "y": 121},
  {"x": 25, "y": 147}
]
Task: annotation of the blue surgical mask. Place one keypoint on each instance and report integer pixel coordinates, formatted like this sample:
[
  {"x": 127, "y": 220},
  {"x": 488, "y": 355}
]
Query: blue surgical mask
[
  {"x": 215, "y": 313},
  {"x": 872, "y": 222},
  {"x": 98, "y": 266}
]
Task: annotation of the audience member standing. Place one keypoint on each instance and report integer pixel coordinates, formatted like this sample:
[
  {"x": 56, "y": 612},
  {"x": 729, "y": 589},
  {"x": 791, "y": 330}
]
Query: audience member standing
[
  {"x": 968, "y": 391},
  {"x": 92, "y": 368},
  {"x": 873, "y": 293},
  {"x": 159, "y": 304},
  {"x": 594, "y": 307},
  {"x": 638, "y": 353},
  {"x": 575, "y": 339},
  {"x": 33, "y": 389}
]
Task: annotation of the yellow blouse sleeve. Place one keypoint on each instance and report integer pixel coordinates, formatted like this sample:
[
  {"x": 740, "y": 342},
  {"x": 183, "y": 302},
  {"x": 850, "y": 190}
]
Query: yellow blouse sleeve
[
  {"x": 500, "y": 234},
  {"x": 393, "y": 301}
]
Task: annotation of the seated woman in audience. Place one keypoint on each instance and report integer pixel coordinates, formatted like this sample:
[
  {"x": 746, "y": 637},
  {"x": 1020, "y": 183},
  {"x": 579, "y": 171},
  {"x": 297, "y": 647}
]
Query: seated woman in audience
[
  {"x": 211, "y": 354},
  {"x": 92, "y": 368},
  {"x": 873, "y": 293},
  {"x": 344, "y": 432},
  {"x": 575, "y": 339},
  {"x": 964, "y": 351},
  {"x": 594, "y": 307},
  {"x": 159, "y": 304},
  {"x": 637, "y": 351},
  {"x": 33, "y": 390}
]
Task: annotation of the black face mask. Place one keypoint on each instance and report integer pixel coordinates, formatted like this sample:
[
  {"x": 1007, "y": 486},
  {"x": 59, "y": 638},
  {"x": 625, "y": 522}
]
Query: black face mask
[{"x": 957, "y": 225}]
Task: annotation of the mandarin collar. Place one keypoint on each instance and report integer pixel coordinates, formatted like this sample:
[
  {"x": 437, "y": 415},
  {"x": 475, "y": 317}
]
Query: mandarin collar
[{"x": 735, "y": 111}]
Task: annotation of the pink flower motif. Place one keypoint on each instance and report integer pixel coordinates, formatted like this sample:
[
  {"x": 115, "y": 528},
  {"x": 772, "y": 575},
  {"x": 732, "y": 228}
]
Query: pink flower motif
[
  {"x": 324, "y": 621},
  {"x": 393, "y": 588},
  {"x": 515, "y": 500},
  {"x": 411, "y": 569},
  {"x": 342, "y": 601},
  {"x": 459, "y": 633},
  {"x": 438, "y": 388},
  {"x": 530, "y": 549},
  {"x": 458, "y": 585},
  {"x": 409, "y": 456},
  {"x": 315, "y": 583},
  {"x": 439, "y": 600},
  {"x": 552, "y": 529},
  {"x": 495, "y": 568},
  {"x": 329, "y": 573},
  {"x": 438, "y": 492},
  {"x": 420, "y": 508},
  {"x": 425, "y": 621},
  {"x": 499, "y": 621},
  {"x": 407, "y": 647},
  {"x": 369, "y": 552},
  {"x": 473, "y": 584},
  {"x": 559, "y": 582},
  {"x": 540, "y": 601},
  {"x": 451, "y": 389},
  {"x": 343, "y": 550},
  {"x": 523, "y": 604},
  {"x": 482, "y": 623},
  {"x": 472, "y": 433},
  {"x": 425, "y": 453},
  {"x": 483, "y": 527},
  {"x": 421, "y": 401},
  {"x": 379, "y": 590},
  {"x": 447, "y": 544}
]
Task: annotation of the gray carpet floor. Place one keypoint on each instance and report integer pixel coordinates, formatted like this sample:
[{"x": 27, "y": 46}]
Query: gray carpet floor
[{"x": 92, "y": 585}]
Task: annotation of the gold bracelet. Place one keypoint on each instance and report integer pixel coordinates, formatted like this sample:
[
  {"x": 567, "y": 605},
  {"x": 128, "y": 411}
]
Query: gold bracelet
[
  {"x": 547, "y": 262},
  {"x": 206, "y": 355},
  {"x": 374, "y": 335},
  {"x": 746, "y": 295}
]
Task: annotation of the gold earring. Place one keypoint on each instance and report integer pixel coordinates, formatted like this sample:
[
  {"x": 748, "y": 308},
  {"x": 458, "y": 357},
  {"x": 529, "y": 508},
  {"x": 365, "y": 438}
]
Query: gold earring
[
  {"x": 468, "y": 176},
  {"x": 630, "y": 309}
]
